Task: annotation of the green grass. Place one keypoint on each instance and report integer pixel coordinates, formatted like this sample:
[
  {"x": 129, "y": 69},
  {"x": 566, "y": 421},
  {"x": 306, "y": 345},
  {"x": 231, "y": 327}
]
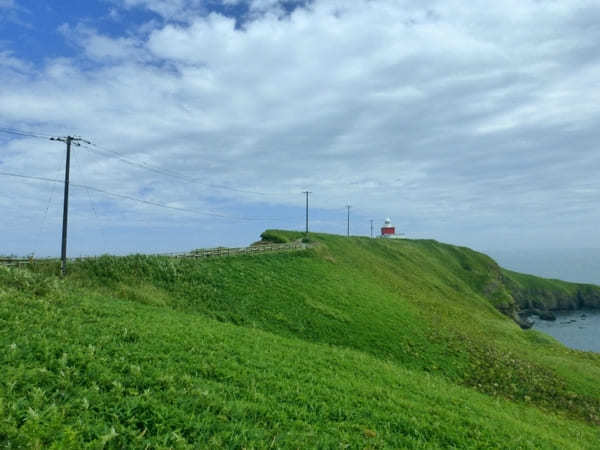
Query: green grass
[{"x": 357, "y": 342}]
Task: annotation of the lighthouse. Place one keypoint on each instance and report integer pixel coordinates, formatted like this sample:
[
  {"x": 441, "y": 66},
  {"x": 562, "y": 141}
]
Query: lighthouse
[{"x": 388, "y": 230}]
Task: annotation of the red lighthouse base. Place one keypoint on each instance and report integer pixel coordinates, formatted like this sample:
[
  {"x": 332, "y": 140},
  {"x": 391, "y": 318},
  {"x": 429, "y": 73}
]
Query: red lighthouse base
[{"x": 388, "y": 231}]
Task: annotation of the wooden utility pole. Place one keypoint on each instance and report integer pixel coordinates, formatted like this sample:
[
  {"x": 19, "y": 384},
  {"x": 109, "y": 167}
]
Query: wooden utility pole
[{"x": 69, "y": 140}]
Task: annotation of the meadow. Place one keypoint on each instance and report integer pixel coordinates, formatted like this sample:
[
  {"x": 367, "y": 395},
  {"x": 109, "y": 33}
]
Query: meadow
[{"x": 353, "y": 343}]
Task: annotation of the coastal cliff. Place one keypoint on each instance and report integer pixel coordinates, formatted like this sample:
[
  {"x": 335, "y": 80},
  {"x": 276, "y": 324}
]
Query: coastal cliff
[{"x": 540, "y": 296}]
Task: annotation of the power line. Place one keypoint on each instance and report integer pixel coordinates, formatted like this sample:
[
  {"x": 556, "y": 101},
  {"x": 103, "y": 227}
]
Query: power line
[
  {"x": 176, "y": 208},
  {"x": 144, "y": 166},
  {"x": 95, "y": 148},
  {"x": 147, "y": 202},
  {"x": 170, "y": 173},
  {"x": 24, "y": 133},
  {"x": 42, "y": 225},
  {"x": 92, "y": 206},
  {"x": 112, "y": 194},
  {"x": 30, "y": 177}
]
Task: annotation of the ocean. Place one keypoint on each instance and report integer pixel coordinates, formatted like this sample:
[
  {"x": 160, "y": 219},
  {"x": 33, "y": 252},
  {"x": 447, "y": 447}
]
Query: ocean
[
  {"x": 577, "y": 329},
  {"x": 577, "y": 265}
]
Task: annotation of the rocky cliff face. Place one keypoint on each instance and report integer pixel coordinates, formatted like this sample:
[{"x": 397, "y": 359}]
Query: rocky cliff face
[{"x": 539, "y": 296}]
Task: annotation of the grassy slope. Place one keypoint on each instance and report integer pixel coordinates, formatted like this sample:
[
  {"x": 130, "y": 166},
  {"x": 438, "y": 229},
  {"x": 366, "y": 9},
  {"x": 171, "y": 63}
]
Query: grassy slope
[{"x": 381, "y": 343}]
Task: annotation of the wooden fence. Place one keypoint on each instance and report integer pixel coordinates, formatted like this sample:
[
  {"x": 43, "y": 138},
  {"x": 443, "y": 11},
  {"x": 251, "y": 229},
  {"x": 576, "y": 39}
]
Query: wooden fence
[
  {"x": 14, "y": 261},
  {"x": 225, "y": 251},
  {"x": 200, "y": 253}
]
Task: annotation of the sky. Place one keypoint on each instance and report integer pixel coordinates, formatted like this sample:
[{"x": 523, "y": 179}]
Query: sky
[{"x": 474, "y": 123}]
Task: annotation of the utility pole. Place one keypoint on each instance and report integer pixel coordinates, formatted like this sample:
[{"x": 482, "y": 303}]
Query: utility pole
[
  {"x": 348, "y": 221},
  {"x": 69, "y": 140},
  {"x": 371, "y": 228},
  {"x": 307, "y": 194}
]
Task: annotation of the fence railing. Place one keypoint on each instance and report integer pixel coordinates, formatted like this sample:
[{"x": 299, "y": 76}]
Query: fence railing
[
  {"x": 200, "y": 253},
  {"x": 226, "y": 251},
  {"x": 14, "y": 261}
]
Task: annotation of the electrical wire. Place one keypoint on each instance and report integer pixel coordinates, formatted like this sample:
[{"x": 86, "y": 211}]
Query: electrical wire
[
  {"x": 43, "y": 223},
  {"x": 121, "y": 157},
  {"x": 89, "y": 196},
  {"x": 24, "y": 133},
  {"x": 172, "y": 174},
  {"x": 147, "y": 202}
]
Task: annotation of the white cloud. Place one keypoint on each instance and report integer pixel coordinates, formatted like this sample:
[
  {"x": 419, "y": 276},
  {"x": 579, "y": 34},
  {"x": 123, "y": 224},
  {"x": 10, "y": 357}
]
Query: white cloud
[
  {"x": 452, "y": 118},
  {"x": 181, "y": 10},
  {"x": 9, "y": 62},
  {"x": 169, "y": 9},
  {"x": 102, "y": 48},
  {"x": 7, "y": 4}
]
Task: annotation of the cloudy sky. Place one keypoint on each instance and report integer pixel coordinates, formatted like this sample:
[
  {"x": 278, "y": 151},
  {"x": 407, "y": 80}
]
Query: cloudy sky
[{"x": 474, "y": 123}]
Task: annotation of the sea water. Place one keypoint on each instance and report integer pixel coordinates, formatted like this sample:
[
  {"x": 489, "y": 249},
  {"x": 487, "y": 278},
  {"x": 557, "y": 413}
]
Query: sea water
[
  {"x": 576, "y": 265},
  {"x": 576, "y": 329}
]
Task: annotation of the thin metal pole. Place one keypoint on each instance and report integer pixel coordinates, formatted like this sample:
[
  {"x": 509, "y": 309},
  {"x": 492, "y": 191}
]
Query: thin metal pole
[
  {"x": 63, "y": 253},
  {"x": 371, "y": 228},
  {"x": 307, "y": 193},
  {"x": 348, "y": 221}
]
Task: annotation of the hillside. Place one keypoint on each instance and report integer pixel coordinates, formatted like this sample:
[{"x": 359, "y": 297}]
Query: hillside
[
  {"x": 353, "y": 342},
  {"x": 538, "y": 294}
]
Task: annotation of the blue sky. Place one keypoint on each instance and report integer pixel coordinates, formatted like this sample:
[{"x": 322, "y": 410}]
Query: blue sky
[
  {"x": 474, "y": 124},
  {"x": 32, "y": 28}
]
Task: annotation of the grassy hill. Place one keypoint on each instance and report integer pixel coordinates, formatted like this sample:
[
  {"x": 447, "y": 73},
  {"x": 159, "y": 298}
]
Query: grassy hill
[{"x": 353, "y": 343}]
